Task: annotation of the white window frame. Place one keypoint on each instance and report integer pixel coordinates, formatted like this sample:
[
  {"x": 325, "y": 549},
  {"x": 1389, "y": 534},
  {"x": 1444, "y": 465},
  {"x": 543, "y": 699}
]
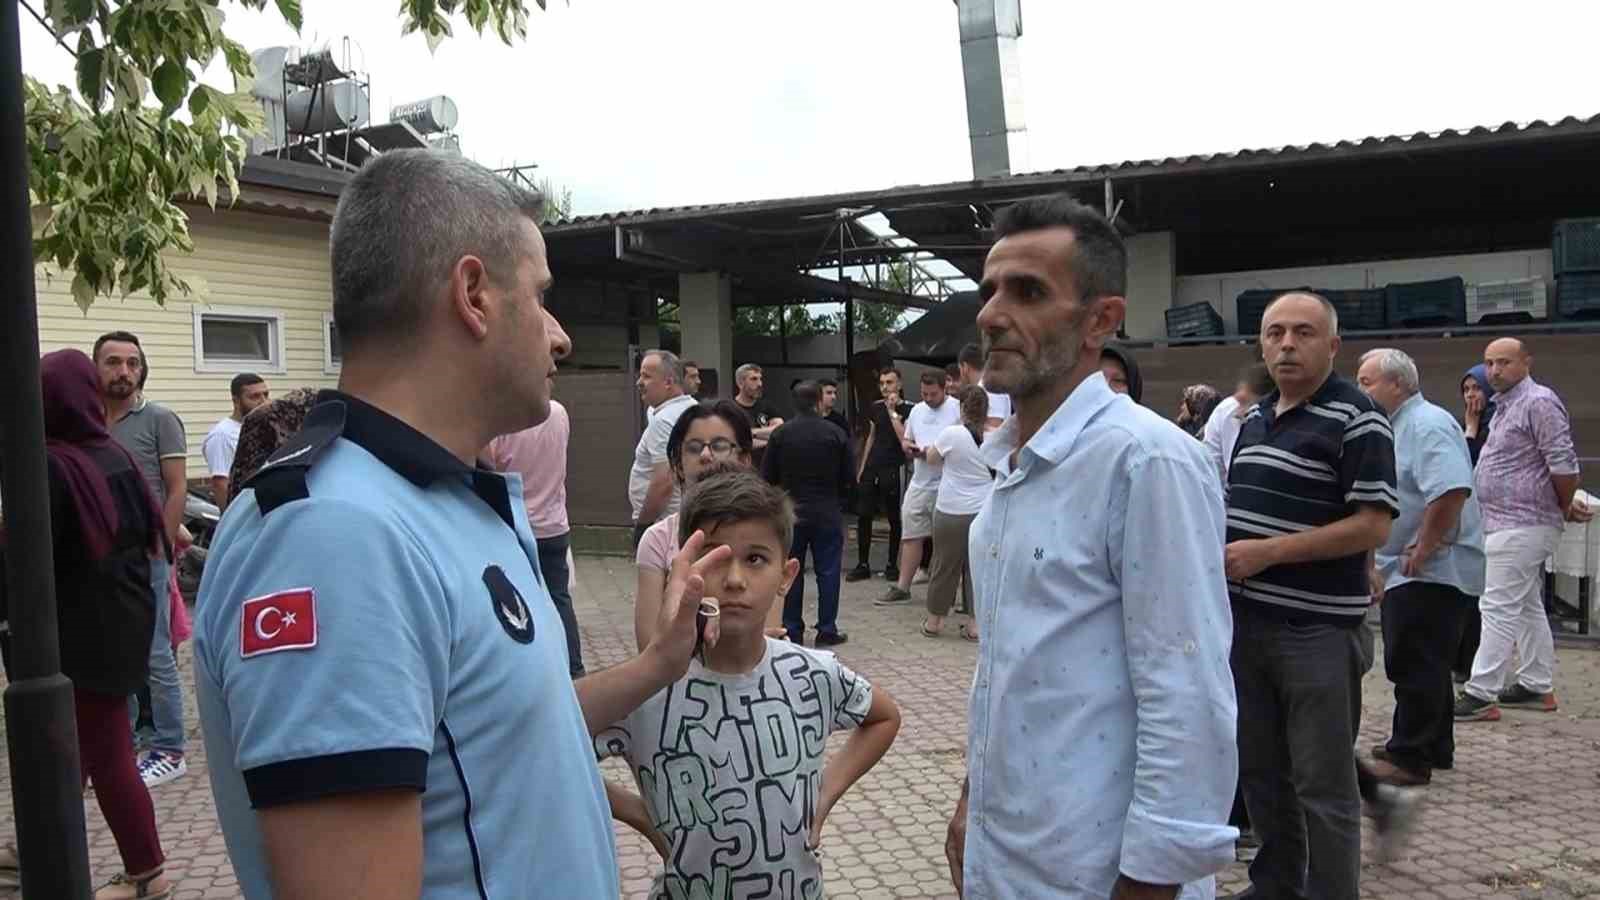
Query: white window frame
[
  {"x": 274, "y": 317},
  {"x": 330, "y": 366}
]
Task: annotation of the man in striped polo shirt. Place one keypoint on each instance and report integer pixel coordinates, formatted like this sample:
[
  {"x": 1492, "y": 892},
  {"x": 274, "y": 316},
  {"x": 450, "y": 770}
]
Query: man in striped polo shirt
[{"x": 1311, "y": 493}]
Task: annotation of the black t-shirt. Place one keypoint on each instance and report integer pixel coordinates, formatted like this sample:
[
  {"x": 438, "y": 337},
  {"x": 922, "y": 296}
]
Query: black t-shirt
[
  {"x": 885, "y": 450},
  {"x": 838, "y": 420},
  {"x": 761, "y": 415}
]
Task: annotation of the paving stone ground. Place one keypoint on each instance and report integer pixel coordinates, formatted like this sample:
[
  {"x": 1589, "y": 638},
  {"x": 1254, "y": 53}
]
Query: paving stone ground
[{"x": 1519, "y": 817}]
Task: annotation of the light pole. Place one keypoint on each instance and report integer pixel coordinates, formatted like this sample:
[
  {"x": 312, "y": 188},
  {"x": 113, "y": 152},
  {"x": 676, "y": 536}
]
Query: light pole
[{"x": 41, "y": 731}]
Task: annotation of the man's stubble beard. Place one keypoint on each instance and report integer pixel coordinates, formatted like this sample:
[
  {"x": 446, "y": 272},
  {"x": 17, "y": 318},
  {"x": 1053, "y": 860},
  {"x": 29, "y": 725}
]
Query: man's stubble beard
[{"x": 1055, "y": 361}]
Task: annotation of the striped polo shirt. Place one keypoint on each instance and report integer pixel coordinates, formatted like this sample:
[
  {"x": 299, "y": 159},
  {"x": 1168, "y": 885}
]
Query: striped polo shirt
[{"x": 1311, "y": 466}]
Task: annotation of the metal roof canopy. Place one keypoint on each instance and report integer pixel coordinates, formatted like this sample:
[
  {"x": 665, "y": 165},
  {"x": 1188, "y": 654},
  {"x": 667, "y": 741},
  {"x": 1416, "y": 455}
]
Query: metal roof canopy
[{"x": 1453, "y": 192}]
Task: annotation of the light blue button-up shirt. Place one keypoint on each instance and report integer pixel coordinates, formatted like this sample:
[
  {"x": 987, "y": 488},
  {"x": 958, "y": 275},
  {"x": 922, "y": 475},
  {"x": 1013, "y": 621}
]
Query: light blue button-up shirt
[
  {"x": 1430, "y": 460},
  {"x": 1102, "y": 721}
]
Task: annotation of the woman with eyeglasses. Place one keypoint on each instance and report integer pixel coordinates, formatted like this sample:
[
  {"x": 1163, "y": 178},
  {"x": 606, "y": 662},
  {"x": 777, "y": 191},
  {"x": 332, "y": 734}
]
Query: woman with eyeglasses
[{"x": 709, "y": 436}]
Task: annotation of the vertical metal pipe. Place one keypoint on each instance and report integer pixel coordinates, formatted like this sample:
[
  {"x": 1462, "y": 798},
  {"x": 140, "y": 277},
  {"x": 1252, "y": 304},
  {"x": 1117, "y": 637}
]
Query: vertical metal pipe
[{"x": 41, "y": 732}]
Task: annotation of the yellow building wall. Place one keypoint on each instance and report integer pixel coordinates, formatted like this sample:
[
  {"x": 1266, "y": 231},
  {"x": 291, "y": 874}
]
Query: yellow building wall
[{"x": 240, "y": 259}]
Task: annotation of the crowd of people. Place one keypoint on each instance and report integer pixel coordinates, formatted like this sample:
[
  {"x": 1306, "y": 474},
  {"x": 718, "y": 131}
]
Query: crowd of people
[{"x": 1170, "y": 616}]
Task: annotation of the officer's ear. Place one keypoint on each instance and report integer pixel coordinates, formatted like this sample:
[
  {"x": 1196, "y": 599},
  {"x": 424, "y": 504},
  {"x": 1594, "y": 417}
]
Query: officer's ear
[{"x": 471, "y": 294}]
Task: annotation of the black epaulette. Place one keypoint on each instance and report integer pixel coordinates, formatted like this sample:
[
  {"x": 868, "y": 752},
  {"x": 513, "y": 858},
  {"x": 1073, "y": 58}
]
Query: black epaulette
[{"x": 282, "y": 478}]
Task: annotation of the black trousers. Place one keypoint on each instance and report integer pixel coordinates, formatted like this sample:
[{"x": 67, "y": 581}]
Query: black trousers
[
  {"x": 879, "y": 491},
  {"x": 553, "y": 566},
  {"x": 1471, "y": 633},
  {"x": 1421, "y": 631}
]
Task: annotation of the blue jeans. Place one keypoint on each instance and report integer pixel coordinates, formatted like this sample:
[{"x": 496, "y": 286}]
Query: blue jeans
[
  {"x": 825, "y": 540},
  {"x": 553, "y": 566},
  {"x": 166, "y": 690}
]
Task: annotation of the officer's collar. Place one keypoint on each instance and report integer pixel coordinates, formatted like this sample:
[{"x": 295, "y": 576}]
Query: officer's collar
[{"x": 413, "y": 455}]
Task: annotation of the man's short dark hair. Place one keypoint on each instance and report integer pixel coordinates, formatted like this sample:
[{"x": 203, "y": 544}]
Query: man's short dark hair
[
  {"x": 728, "y": 498},
  {"x": 932, "y": 376},
  {"x": 1259, "y": 379},
  {"x": 890, "y": 370},
  {"x": 124, "y": 337},
  {"x": 243, "y": 380},
  {"x": 403, "y": 221},
  {"x": 690, "y": 364},
  {"x": 1099, "y": 258},
  {"x": 971, "y": 355},
  {"x": 807, "y": 394},
  {"x": 828, "y": 383}
]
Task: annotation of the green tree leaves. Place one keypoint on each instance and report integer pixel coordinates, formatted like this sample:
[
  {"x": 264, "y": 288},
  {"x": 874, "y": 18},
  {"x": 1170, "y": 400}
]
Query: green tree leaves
[{"x": 107, "y": 170}]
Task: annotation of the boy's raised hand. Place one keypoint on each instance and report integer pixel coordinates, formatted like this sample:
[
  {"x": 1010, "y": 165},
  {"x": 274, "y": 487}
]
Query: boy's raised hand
[{"x": 680, "y": 607}]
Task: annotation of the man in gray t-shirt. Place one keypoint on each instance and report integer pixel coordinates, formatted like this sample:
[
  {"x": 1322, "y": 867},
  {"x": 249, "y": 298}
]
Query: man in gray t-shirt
[{"x": 154, "y": 436}]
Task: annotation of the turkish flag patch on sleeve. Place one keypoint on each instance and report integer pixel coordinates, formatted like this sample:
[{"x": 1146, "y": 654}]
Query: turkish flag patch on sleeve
[{"x": 286, "y": 620}]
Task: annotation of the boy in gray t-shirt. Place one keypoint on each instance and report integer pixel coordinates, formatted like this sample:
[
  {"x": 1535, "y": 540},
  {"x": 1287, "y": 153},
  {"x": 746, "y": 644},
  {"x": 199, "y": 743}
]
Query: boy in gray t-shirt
[{"x": 729, "y": 760}]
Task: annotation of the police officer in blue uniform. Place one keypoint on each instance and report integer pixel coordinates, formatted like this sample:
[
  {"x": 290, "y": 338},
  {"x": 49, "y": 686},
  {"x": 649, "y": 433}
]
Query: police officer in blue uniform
[{"x": 381, "y": 674}]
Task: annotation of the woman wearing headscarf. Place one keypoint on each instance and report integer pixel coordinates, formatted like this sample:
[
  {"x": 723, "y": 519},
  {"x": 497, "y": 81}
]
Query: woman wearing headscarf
[
  {"x": 1477, "y": 396},
  {"x": 105, "y": 529},
  {"x": 264, "y": 430},
  {"x": 1122, "y": 372},
  {"x": 1195, "y": 407}
]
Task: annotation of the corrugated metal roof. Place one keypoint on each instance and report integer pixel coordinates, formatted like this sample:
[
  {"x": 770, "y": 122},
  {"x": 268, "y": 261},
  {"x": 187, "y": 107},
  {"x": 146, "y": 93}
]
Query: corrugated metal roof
[{"x": 1172, "y": 165}]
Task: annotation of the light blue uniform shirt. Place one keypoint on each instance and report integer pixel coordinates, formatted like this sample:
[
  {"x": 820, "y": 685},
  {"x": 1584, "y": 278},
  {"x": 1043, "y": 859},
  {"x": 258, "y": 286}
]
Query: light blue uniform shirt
[
  {"x": 1102, "y": 722},
  {"x": 1431, "y": 459},
  {"x": 433, "y": 660}
]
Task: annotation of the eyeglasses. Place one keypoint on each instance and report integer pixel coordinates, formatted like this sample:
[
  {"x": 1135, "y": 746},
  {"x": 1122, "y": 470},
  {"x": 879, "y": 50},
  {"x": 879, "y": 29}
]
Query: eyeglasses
[{"x": 720, "y": 447}]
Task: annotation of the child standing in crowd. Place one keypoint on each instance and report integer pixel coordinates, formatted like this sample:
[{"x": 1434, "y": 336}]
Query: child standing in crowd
[{"x": 729, "y": 760}]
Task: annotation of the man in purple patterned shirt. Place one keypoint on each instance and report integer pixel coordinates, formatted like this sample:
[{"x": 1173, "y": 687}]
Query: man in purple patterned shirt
[{"x": 1525, "y": 482}]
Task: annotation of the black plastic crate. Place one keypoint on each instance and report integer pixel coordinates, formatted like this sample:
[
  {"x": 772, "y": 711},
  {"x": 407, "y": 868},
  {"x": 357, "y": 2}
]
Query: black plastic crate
[
  {"x": 1421, "y": 304},
  {"x": 1250, "y": 305},
  {"x": 1578, "y": 295},
  {"x": 1193, "y": 320},
  {"x": 1360, "y": 310},
  {"x": 1576, "y": 246}
]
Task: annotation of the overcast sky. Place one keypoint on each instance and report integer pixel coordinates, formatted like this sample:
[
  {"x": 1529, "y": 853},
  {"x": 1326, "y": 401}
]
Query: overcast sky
[{"x": 640, "y": 103}]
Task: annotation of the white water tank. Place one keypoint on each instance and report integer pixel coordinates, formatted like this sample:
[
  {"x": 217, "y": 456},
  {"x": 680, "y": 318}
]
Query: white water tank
[
  {"x": 428, "y": 116},
  {"x": 328, "y": 107}
]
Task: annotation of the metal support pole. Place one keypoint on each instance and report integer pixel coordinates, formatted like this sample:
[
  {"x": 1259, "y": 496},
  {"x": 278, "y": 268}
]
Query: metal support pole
[{"x": 41, "y": 731}]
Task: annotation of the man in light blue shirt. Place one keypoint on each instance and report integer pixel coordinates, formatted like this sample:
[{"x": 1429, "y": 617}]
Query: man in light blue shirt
[
  {"x": 1432, "y": 568},
  {"x": 1101, "y": 748},
  {"x": 382, "y": 677}
]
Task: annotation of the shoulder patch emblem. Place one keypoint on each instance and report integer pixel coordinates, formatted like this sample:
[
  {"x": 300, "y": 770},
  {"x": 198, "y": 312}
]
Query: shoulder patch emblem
[{"x": 286, "y": 620}]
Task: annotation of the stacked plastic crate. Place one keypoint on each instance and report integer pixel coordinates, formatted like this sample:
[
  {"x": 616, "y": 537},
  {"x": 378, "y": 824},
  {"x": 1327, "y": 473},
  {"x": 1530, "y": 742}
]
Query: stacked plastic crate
[{"x": 1575, "y": 251}]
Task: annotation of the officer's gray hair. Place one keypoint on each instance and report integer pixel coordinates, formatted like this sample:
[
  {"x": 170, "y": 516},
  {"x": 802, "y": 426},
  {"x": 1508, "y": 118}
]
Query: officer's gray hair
[
  {"x": 403, "y": 222},
  {"x": 671, "y": 367},
  {"x": 1397, "y": 365},
  {"x": 742, "y": 371}
]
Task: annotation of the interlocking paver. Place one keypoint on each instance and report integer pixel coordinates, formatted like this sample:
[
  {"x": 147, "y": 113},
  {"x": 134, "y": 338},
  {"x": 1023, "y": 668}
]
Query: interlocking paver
[{"x": 1519, "y": 817}]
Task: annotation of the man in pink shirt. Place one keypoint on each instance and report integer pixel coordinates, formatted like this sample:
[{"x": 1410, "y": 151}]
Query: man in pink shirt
[{"x": 539, "y": 455}]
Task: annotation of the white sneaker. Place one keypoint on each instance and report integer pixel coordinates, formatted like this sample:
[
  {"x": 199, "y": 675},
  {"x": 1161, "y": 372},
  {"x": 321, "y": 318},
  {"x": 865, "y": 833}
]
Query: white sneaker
[
  {"x": 921, "y": 577},
  {"x": 1395, "y": 813},
  {"x": 158, "y": 768}
]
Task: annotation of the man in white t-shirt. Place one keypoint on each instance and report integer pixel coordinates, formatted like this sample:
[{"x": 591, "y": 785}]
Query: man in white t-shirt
[
  {"x": 920, "y": 429},
  {"x": 249, "y": 391},
  {"x": 971, "y": 362},
  {"x": 1222, "y": 429},
  {"x": 651, "y": 488}
]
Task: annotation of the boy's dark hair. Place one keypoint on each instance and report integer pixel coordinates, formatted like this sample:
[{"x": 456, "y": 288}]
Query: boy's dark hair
[
  {"x": 1099, "y": 259},
  {"x": 124, "y": 337},
  {"x": 932, "y": 377},
  {"x": 952, "y": 371},
  {"x": 243, "y": 380},
  {"x": 733, "y": 495},
  {"x": 971, "y": 355}
]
